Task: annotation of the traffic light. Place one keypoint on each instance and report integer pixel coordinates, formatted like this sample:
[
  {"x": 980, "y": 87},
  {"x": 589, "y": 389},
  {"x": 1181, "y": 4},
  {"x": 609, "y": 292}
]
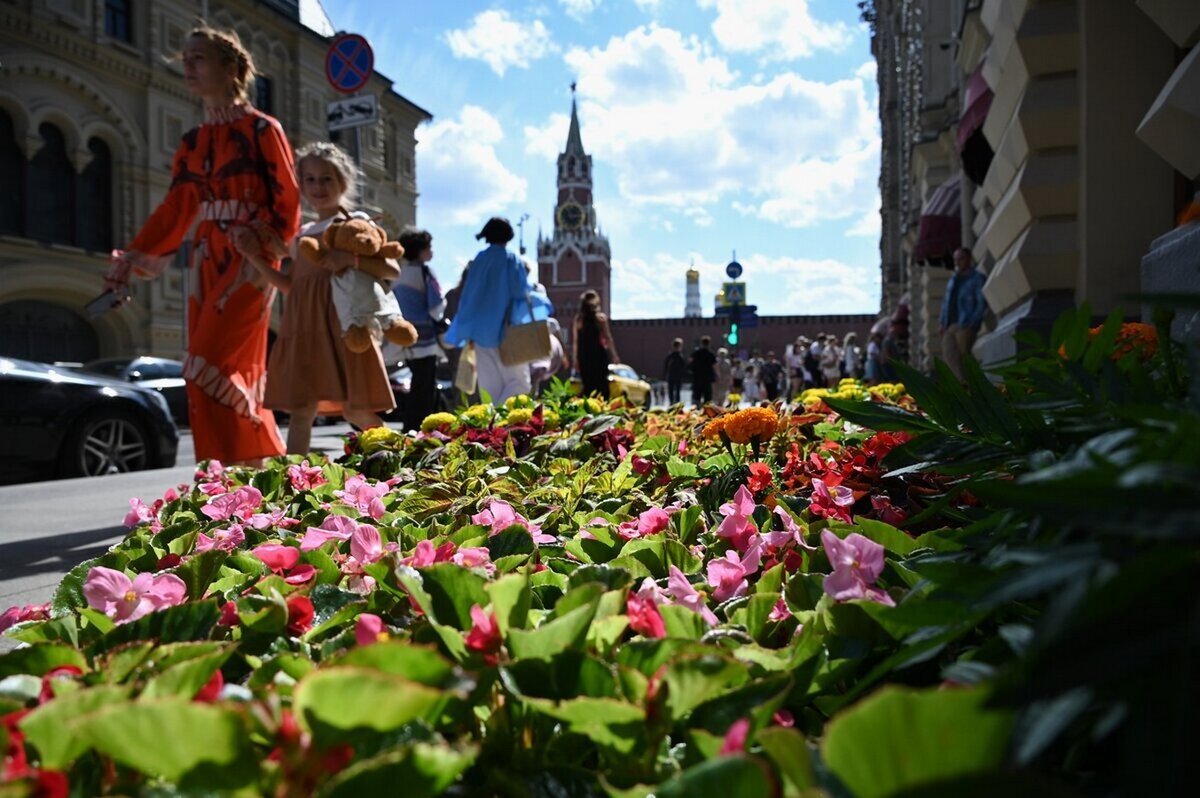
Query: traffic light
[{"x": 732, "y": 337}]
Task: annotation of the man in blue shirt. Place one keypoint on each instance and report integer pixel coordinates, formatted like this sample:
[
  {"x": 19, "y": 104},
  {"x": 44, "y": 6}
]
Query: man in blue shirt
[{"x": 963, "y": 307}]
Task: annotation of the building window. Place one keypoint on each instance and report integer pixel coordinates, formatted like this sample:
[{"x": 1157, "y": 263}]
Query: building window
[
  {"x": 12, "y": 177},
  {"x": 117, "y": 22},
  {"x": 95, "y": 200},
  {"x": 263, "y": 100},
  {"x": 51, "y": 188}
]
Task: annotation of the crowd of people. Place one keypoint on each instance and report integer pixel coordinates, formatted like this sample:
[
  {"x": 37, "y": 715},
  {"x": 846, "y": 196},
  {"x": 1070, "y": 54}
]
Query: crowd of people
[
  {"x": 817, "y": 363},
  {"x": 346, "y": 316}
]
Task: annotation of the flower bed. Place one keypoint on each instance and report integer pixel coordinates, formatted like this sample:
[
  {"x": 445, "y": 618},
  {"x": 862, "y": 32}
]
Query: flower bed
[{"x": 573, "y": 599}]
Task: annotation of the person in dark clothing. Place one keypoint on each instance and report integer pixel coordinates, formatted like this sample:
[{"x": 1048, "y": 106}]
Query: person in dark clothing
[
  {"x": 770, "y": 373},
  {"x": 675, "y": 369},
  {"x": 594, "y": 348},
  {"x": 703, "y": 367}
]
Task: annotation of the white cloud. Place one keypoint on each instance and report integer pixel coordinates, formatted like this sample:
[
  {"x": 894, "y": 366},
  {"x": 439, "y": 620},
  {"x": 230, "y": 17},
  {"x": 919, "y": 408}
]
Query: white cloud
[
  {"x": 778, "y": 30},
  {"x": 501, "y": 41},
  {"x": 578, "y": 9},
  {"x": 869, "y": 226},
  {"x": 648, "y": 6},
  {"x": 682, "y": 130},
  {"x": 462, "y": 178},
  {"x": 777, "y": 285}
]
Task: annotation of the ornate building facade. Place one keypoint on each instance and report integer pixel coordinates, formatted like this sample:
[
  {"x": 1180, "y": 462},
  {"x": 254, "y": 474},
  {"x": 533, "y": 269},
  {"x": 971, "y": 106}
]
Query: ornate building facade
[
  {"x": 92, "y": 107},
  {"x": 1055, "y": 139},
  {"x": 575, "y": 257}
]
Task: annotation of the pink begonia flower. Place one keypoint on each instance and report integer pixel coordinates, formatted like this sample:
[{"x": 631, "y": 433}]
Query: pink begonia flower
[
  {"x": 681, "y": 590},
  {"x": 780, "y": 611},
  {"x": 484, "y": 636},
  {"x": 369, "y": 629},
  {"x": 364, "y": 496},
  {"x": 242, "y": 503},
  {"x": 274, "y": 518},
  {"x": 426, "y": 554},
  {"x": 277, "y": 557},
  {"x": 124, "y": 600},
  {"x": 735, "y": 738},
  {"x": 683, "y": 447},
  {"x": 831, "y": 502},
  {"x": 728, "y": 575},
  {"x": 366, "y": 544},
  {"x": 650, "y": 522},
  {"x": 500, "y": 515},
  {"x": 212, "y": 488},
  {"x": 857, "y": 562},
  {"x": 306, "y": 477},
  {"x": 138, "y": 513},
  {"x": 644, "y": 617},
  {"x": 300, "y": 574},
  {"x": 222, "y": 539},
  {"x": 214, "y": 470},
  {"x": 641, "y": 465},
  {"x": 170, "y": 496},
  {"x": 738, "y": 526},
  {"x": 474, "y": 557},
  {"x": 887, "y": 512},
  {"x": 30, "y": 612},
  {"x": 335, "y": 527}
]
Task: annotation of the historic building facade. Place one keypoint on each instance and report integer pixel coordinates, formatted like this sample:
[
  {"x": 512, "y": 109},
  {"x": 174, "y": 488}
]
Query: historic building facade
[
  {"x": 92, "y": 107},
  {"x": 1055, "y": 139},
  {"x": 576, "y": 256}
]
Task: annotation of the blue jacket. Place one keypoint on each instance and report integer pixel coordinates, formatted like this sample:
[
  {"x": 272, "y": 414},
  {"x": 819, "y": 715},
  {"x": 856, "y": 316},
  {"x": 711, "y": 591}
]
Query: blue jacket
[
  {"x": 497, "y": 287},
  {"x": 969, "y": 302}
]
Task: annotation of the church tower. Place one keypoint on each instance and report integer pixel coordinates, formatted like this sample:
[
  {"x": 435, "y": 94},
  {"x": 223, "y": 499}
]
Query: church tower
[{"x": 575, "y": 257}]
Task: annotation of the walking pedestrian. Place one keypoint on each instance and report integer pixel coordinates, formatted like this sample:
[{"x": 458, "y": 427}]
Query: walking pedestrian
[
  {"x": 235, "y": 173},
  {"x": 311, "y": 371},
  {"x": 724, "y": 376},
  {"x": 497, "y": 292},
  {"x": 421, "y": 301},
  {"x": 702, "y": 366},
  {"x": 674, "y": 371},
  {"x": 963, "y": 307},
  {"x": 770, "y": 374},
  {"x": 594, "y": 348}
]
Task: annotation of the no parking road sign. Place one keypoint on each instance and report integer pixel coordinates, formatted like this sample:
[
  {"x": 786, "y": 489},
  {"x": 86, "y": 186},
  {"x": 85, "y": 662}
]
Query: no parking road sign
[{"x": 349, "y": 62}]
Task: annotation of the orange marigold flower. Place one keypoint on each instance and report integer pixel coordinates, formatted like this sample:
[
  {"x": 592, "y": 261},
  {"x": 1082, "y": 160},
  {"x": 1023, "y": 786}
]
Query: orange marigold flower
[
  {"x": 753, "y": 423},
  {"x": 714, "y": 428},
  {"x": 1134, "y": 336}
]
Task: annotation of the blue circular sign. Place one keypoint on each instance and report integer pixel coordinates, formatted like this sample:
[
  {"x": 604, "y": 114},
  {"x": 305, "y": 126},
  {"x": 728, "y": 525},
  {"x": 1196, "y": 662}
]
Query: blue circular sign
[
  {"x": 349, "y": 62},
  {"x": 734, "y": 270}
]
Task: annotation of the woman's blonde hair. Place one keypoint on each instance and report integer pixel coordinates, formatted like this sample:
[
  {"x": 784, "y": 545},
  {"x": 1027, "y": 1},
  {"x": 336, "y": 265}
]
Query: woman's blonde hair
[
  {"x": 333, "y": 155},
  {"x": 232, "y": 52}
]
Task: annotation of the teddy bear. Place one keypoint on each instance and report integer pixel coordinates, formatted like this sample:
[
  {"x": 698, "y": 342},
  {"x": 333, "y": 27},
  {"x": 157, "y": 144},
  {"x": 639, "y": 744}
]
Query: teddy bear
[{"x": 362, "y": 295}]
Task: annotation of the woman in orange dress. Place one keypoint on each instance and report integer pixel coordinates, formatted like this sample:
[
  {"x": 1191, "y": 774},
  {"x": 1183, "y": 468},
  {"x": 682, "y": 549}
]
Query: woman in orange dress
[{"x": 235, "y": 173}]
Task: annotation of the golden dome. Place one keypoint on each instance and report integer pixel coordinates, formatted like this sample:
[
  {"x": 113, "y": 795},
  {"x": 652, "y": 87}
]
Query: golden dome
[{"x": 693, "y": 275}]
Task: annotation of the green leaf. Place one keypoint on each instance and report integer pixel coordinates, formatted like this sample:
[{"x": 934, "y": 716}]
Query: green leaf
[
  {"x": 608, "y": 722},
  {"x": 680, "y": 622},
  {"x": 511, "y": 599},
  {"x": 68, "y": 596},
  {"x": 788, "y": 750},
  {"x": 677, "y": 467},
  {"x": 694, "y": 680},
  {"x": 728, "y": 776},
  {"x": 185, "y": 679},
  {"x": 567, "y": 631},
  {"x": 423, "y": 770},
  {"x": 452, "y": 591},
  {"x": 400, "y": 658},
  {"x": 900, "y": 739},
  {"x": 191, "y": 621},
  {"x": 200, "y": 570},
  {"x": 45, "y": 726},
  {"x": 513, "y": 540},
  {"x": 37, "y": 659},
  {"x": 345, "y": 697}
]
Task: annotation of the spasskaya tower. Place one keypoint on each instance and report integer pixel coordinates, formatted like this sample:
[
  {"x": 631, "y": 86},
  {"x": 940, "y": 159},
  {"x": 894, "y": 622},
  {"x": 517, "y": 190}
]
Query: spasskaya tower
[{"x": 576, "y": 256}]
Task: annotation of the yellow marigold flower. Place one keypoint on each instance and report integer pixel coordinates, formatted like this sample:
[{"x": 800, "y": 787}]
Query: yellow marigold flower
[
  {"x": 733, "y": 399},
  {"x": 521, "y": 400},
  {"x": 437, "y": 421},
  {"x": 477, "y": 415},
  {"x": 753, "y": 423},
  {"x": 550, "y": 419},
  {"x": 377, "y": 438},
  {"x": 713, "y": 428},
  {"x": 519, "y": 415}
]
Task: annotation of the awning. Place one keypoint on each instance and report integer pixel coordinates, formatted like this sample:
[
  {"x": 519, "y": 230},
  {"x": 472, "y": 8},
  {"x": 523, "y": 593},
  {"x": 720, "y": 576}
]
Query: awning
[
  {"x": 940, "y": 231},
  {"x": 973, "y": 146},
  {"x": 976, "y": 103}
]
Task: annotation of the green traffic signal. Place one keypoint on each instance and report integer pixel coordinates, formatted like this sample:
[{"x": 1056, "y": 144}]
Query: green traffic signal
[{"x": 732, "y": 337}]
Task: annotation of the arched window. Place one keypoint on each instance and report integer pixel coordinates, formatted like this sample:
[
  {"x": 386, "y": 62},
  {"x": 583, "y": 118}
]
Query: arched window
[
  {"x": 94, "y": 204},
  {"x": 51, "y": 187},
  {"x": 12, "y": 177}
]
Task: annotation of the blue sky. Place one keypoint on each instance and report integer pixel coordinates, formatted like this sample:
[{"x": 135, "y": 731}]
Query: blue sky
[{"x": 714, "y": 125}]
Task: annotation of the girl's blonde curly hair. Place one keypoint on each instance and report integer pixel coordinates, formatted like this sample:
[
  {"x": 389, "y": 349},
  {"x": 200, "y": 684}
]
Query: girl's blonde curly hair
[
  {"x": 233, "y": 53},
  {"x": 336, "y": 157}
]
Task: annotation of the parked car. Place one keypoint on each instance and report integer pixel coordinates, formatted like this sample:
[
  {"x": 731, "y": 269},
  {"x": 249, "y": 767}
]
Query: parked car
[
  {"x": 400, "y": 378},
  {"x": 623, "y": 382},
  {"x": 56, "y": 421},
  {"x": 159, "y": 373}
]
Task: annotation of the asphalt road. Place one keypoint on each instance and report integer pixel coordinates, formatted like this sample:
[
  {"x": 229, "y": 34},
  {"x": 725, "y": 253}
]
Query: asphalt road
[{"x": 47, "y": 528}]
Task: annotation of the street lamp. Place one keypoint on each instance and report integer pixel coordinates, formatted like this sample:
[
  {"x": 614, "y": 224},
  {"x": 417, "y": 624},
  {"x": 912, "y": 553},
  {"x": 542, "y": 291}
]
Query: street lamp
[{"x": 521, "y": 239}]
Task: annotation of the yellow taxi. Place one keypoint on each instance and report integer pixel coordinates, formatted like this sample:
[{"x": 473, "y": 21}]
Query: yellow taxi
[{"x": 623, "y": 382}]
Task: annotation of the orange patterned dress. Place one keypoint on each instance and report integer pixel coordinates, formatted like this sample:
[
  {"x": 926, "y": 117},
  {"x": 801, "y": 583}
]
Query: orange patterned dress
[{"x": 235, "y": 169}]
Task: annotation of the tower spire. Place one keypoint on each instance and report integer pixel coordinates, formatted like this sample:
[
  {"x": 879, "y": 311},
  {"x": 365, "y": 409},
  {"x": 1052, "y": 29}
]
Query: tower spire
[{"x": 574, "y": 141}]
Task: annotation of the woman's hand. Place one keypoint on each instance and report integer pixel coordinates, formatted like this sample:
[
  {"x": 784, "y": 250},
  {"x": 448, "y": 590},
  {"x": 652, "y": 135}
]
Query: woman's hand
[
  {"x": 116, "y": 279},
  {"x": 245, "y": 240}
]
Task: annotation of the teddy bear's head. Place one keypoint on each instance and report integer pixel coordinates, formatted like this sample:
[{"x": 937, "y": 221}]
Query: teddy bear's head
[{"x": 360, "y": 237}]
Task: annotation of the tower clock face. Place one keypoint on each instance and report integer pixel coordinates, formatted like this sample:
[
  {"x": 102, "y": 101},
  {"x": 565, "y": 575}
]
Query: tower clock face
[{"x": 570, "y": 216}]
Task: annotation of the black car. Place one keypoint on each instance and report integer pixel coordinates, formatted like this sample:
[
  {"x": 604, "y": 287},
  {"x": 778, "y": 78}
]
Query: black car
[
  {"x": 159, "y": 373},
  {"x": 56, "y": 421}
]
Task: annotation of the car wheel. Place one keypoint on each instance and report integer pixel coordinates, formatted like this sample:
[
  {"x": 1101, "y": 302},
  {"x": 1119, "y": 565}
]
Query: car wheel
[
  {"x": 646, "y": 403},
  {"x": 106, "y": 442}
]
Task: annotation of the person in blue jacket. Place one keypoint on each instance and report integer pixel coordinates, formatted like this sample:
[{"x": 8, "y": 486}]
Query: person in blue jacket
[
  {"x": 963, "y": 307},
  {"x": 498, "y": 291}
]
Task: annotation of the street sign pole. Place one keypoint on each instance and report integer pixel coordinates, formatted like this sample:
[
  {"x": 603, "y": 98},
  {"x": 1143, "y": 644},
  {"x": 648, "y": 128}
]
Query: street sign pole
[{"x": 348, "y": 66}]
